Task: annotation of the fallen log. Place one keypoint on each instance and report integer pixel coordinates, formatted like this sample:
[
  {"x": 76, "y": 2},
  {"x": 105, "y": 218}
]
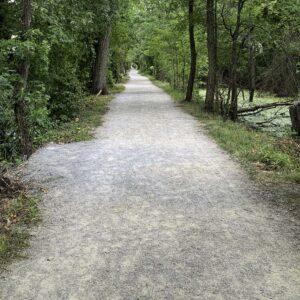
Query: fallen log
[{"x": 264, "y": 107}]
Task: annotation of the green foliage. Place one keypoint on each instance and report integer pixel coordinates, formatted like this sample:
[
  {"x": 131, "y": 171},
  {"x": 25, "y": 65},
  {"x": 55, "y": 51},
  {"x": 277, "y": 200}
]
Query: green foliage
[
  {"x": 7, "y": 124},
  {"x": 12, "y": 51},
  {"x": 152, "y": 34},
  {"x": 273, "y": 29},
  {"x": 59, "y": 48},
  {"x": 81, "y": 128},
  {"x": 162, "y": 47},
  {"x": 268, "y": 41}
]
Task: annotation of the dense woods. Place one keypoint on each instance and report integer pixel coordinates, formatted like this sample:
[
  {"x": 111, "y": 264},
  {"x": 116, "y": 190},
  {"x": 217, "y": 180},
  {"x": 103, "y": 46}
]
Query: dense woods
[
  {"x": 236, "y": 58},
  {"x": 53, "y": 54},
  {"x": 244, "y": 48}
]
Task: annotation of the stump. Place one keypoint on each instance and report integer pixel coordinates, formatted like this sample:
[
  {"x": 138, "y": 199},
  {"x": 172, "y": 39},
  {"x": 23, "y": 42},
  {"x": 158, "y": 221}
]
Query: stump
[{"x": 295, "y": 116}]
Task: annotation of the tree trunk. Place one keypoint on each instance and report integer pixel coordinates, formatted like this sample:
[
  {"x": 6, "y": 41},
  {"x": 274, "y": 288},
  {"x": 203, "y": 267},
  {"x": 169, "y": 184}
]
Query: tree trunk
[
  {"x": 99, "y": 80},
  {"x": 233, "y": 111},
  {"x": 295, "y": 116},
  {"x": 233, "y": 84},
  {"x": 177, "y": 69},
  {"x": 3, "y": 27},
  {"x": 212, "y": 56},
  {"x": 20, "y": 106},
  {"x": 183, "y": 74},
  {"x": 191, "y": 82},
  {"x": 174, "y": 73},
  {"x": 252, "y": 71}
]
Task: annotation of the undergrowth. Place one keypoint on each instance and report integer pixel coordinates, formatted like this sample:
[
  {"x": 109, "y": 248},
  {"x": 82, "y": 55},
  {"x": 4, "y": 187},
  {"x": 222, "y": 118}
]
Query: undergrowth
[
  {"x": 17, "y": 212},
  {"x": 265, "y": 157},
  {"x": 80, "y": 128}
]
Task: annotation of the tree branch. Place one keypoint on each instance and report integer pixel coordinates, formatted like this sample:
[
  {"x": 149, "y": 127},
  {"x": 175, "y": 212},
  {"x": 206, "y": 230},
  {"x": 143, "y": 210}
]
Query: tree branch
[{"x": 263, "y": 107}]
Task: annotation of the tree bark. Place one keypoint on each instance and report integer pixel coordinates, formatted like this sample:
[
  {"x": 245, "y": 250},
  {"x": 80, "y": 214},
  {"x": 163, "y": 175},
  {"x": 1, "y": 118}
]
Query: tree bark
[
  {"x": 252, "y": 71},
  {"x": 191, "y": 82},
  {"x": 212, "y": 56},
  {"x": 3, "y": 26},
  {"x": 174, "y": 73},
  {"x": 177, "y": 69},
  {"x": 233, "y": 111},
  {"x": 99, "y": 80},
  {"x": 183, "y": 73},
  {"x": 233, "y": 83},
  {"x": 20, "y": 106}
]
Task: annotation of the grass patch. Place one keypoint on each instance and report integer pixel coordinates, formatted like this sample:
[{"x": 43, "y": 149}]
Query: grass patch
[
  {"x": 264, "y": 156},
  {"x": 82, "y": 127},
  {"x": 17, "y": 212}
]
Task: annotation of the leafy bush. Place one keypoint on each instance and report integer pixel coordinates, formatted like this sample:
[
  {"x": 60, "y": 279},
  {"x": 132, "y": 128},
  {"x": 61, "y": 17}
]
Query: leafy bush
[{"x": 8, "y": 145}]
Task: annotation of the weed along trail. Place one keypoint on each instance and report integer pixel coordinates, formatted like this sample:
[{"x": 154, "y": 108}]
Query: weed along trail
[{"x": 152, "y": 209}]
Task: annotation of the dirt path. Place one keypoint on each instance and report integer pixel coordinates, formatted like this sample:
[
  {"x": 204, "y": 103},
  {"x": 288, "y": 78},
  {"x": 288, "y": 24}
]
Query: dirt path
[{"x": 152, "y": 209}]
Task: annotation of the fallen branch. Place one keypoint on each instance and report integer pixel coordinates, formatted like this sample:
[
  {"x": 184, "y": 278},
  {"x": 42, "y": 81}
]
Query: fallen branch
[
  {"x": 267, "y": 123},
  {"x": 99, "y": 93},
  {"x": 263, "y": 107}
]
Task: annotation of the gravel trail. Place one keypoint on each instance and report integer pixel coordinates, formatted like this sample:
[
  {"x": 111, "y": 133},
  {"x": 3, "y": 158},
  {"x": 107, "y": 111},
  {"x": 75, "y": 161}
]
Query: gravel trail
[{"x": 152, "y": 209}]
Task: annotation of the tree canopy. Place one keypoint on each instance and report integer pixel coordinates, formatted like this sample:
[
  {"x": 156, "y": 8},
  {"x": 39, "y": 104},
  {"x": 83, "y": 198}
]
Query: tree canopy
[{"x": 54, "y": 53}]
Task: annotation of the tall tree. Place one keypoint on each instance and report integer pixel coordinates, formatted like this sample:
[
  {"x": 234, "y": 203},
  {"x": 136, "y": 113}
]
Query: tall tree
[
  {"x": 212, "y": 55},
  {"x": 233, "y": 110},
  {"x": 106, "y": 13},
  {"x": 252, "y": 67},
  {"x": 20, "y": 106},
  {"x": 99, "y": 84},
  {"x": 193, "y": 66},
  {"x": 3, "y": 26}
]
